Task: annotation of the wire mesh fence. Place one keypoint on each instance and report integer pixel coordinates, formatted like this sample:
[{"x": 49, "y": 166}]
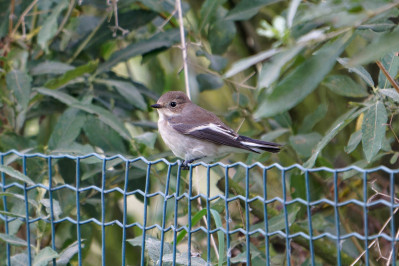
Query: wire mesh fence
[{"x": 92, "y": 209}]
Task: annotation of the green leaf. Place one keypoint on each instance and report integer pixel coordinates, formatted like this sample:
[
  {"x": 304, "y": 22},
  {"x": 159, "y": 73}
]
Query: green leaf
[
  {"x": 271, "y": 70},
  {"x": 109, "y": 140},
  {"x": 338, "y": 125},
  {"x": 71, "y": 75},
  {"x": 103, "y": 114},
  {"x": 218, "y": 223},
  {"x": 11, "y": 214},
  {"x": 127, "y": 90},
  {"x": 354, "y": 141},
  {"x": 345, "y": 86},
  {"x": 312, "y": 119},
  {"x": 182, "y": 259},
  {"x": 220, "y": 35},
  {"x": 19, "y": 196},
  {"x": 50, "y": 26},
  {"x": 380, "y": 46},
  {"x": 208, "y": 12},
  {"x": 272, "y": 135},
  {"x": 277, "y": 223},
  {"x": 194, "y": 220},
  {"x": 67, "y": 254},
  {"x": 373, "y": 129},
  {"x": 19, "y": 83},
  {"x": 159, "y": 41},
  {"x": 147, "y": 138},
  {"x": 217, "y": 62},
  {"x": 20, "y": 259},
  {"x": 57, "y": 211},
  {"x": 16, "y": 174},
  {"x": 13, "y": 240},
  {"x": 391, "y": 64},
  {"x": 391, "y": 93},
  {"x": 152, "y": 246},
  {"x": 359, "y": 70},
  {"x": 302, "y": 80},
  {"x": 246, "y": 9},
  {"x": 304, "y": 143},
  {"x": 245, "y": 63},
  {"x": 67, "y": 129},
  {"x": 75, "y": 149},
  {"x": 44, "y": 257},
  {"x": 50, "y": 67},
  {"x": 209, "y": 82}
]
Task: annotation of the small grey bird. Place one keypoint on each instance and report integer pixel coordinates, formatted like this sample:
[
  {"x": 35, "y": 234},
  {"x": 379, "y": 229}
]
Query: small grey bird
[{"x": 193, "y": 133}]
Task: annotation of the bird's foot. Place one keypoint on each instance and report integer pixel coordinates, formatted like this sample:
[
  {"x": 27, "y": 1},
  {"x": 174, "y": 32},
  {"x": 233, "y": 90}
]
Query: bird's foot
[{"x": 186, "y": 164}]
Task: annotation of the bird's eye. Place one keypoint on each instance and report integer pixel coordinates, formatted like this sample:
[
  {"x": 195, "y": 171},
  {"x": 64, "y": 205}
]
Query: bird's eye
[{"x": 173, "y": 104}]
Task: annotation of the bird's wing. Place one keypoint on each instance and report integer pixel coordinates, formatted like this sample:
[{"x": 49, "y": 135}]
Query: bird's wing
[{"x": 213, "y": 132}]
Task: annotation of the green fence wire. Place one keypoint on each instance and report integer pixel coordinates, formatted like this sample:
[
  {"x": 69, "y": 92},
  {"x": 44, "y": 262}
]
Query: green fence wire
[{"x": 75, "y": 191}]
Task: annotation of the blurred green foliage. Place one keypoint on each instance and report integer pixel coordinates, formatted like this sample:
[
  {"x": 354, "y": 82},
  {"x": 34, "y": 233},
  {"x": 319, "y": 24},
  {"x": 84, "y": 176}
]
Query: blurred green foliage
[{"x": 78, "y": 77}]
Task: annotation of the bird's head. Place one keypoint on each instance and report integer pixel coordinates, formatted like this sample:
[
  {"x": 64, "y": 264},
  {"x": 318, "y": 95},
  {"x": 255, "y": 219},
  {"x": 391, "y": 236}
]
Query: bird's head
[{"x": 171, "y": 103}]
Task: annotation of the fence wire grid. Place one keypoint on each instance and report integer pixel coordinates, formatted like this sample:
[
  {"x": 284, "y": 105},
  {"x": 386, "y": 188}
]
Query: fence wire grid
[{"x": 55, "y": 207}]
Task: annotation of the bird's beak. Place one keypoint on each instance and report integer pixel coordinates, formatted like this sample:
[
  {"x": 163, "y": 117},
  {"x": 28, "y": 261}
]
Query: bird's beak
[{"x": 156, "y": 106}]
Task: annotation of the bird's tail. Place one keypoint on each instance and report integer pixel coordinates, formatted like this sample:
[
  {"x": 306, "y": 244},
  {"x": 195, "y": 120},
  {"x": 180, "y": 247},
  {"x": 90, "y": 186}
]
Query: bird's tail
[{"x": 259, "y": 146}]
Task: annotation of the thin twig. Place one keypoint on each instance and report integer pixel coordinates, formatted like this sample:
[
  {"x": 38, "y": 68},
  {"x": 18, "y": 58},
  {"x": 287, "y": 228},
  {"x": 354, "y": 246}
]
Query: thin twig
[
  {"x": 375, "y": 241},
  {"x": 11, "y": 17},
  {"x": 388, "y": 76},
  {"x": 23, "y": 15},
  {"x": 183, "y": 47}
]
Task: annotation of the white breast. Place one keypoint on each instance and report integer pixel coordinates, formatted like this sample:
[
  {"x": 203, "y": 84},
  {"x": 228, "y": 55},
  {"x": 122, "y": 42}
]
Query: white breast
[{"x": 184, "y": 146}]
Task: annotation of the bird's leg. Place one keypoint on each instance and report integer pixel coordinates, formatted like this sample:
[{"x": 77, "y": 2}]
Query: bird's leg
[{"x": 184, "y": 165}]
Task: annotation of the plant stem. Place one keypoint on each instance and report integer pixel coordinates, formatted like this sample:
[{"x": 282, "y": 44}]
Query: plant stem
[{"x": 183, "y": 46}]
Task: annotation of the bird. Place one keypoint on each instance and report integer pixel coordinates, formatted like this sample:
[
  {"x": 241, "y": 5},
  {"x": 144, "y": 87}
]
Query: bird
[{"x": 193, "y": 133}]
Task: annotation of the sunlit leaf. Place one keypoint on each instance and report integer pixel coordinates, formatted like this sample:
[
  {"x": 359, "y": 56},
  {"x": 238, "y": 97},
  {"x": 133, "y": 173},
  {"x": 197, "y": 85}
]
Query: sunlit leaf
[
  {"x": 272, "y": 135},
  {"x": 152, "y": 246},
  {"x": 245, "y": 63},
  {"x": 16, "y": 174},
  {"x": 391, "y": 93},
  {"x": 68, "y": 253},
  {"x": 373, "y": 129},
  {"x": 20, "y": 259},
  {"x": 13, "y": 240},
  {"x": 302, "y": 80},
  {"x": 44, "y": 256},
  {"x": 271, "y": 70},
  {"x": 345, "y": 86}
]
